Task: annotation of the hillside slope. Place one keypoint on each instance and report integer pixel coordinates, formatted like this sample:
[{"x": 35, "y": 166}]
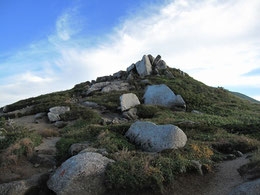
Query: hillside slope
[
  {"x": 243, "y": 96},
  {"x": 217, "y": 123}
]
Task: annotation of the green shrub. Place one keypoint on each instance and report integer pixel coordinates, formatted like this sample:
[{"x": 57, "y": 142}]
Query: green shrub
[
  {"x": 147, "y": 111},
  {"x": 113, "y": 142},
  {"x": 139, "y": 171},
  {"x": 87, "y": 114},
  {"x": 63, "y": 146}
]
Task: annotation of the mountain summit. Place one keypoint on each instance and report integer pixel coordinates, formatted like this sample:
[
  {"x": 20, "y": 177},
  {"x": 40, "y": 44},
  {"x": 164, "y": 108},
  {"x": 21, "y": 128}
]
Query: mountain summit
[{"x": 150, "y": 129}]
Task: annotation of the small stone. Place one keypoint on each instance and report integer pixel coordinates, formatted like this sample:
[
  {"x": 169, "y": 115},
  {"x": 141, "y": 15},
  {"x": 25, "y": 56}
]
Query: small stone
[
  {"x": 130, "y": 114},
  {"x": 60, "y": 124},
  {"x": 196, "y": 112},
  {"x": 238, "y": 154},
  {"x": 90, "y": 104},
  {"x": 36, "y": 165},
  {"x": 78, "y": 147},
  {"x": 40, "y": 115},
  {"x": 198, "y": 166},
  {"x": 106, "y": 121},
  {"x": 230, "y": 157}
]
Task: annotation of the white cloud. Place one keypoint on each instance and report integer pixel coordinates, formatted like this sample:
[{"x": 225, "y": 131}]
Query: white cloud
[
  {"x": 214, "y": 41},
  {"x": 67, "y": 24},
  {"x": 256, "y": 97}
]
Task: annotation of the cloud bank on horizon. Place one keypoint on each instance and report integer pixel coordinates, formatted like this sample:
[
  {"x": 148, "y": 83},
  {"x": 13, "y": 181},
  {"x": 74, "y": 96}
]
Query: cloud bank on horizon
[{"x": 216, "y": 42}]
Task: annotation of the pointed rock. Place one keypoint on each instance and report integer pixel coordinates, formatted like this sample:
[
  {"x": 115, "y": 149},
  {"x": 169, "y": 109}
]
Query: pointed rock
[{"x": 144, "y": 66}]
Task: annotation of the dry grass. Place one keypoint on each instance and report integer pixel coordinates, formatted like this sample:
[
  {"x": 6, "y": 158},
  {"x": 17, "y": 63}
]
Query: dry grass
[
  {"x": 11, "y": 155},
  {"x": 48, "y": 133}
]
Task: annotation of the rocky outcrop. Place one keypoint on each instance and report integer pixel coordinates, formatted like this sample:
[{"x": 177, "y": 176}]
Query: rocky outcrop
[
  {"x": 120, "y": 75},
  {"x": 97, "y": 87},
  {"x": 55, "y": 112},
  {"x": 107, "y": 87},
  {"x": 155, "y": 138},
  {"x": 144, "y": 67},
  {"x": 248, "y": 188},
  {"x": 128, "y": 101},
  {"x": 81, "y": 174},
  {"x": 116, "y": 86},
  {"x": 163, "y": 96}
]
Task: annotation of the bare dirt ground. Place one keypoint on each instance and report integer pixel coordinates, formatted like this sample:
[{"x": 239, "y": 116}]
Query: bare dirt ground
[
  {"x": 23, "y": 168},
  {"x": 219, "y": 183},
  {"x": 226, "y": 178}
]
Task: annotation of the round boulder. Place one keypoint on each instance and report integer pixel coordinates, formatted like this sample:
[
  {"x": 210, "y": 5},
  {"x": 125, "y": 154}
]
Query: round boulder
[
  {"x": 81, "y": 174},
  {"x": 155, "y": 138}
]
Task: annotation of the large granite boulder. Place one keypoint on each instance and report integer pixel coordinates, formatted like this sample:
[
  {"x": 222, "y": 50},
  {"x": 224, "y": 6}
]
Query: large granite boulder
[
  {"x": 163, "y": 96},
  {"x": 155, "y": 138},
  {"x": 248, "y": 188},
  {"x": 81, "y": 174},
  {"x": 55, "y": 112},
  {"x": 144, "y": 67},
  {"x": 128, "y": 101}
]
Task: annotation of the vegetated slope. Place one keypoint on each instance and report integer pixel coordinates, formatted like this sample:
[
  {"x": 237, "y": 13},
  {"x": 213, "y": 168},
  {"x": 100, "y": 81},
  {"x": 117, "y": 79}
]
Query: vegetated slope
[
  {"x": 245, "y": 97},
  {"x": 225, "y": 123}
]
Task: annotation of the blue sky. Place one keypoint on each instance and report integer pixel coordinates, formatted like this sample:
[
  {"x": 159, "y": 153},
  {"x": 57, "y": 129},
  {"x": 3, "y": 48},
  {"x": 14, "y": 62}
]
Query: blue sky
[{"x": 51, "y": 45}]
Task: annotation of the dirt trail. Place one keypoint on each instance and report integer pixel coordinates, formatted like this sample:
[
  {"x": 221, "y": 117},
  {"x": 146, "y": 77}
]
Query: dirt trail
[
  {"x": 226, "y": 178},
  {"x": 44, "y": 155}
]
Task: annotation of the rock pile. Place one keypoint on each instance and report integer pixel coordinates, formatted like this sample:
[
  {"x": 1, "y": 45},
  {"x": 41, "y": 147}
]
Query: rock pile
[
  {"x": 147, "y": 66},
  {"x": 55, "y": 112}
]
